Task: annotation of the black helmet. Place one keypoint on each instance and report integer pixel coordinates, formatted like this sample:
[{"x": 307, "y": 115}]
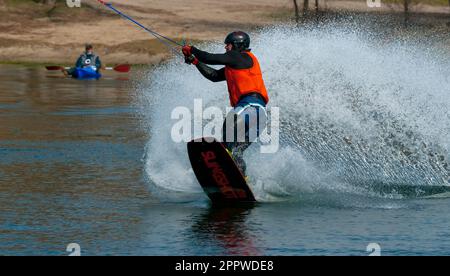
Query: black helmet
[{"x": 239, "y": 40}]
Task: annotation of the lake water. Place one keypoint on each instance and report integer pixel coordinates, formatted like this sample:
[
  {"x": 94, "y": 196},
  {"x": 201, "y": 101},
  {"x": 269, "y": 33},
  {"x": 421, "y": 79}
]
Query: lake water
[{"x": 76, "y": 167}]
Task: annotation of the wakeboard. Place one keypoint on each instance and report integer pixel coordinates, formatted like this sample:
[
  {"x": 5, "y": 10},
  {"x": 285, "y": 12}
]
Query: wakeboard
[{"x": 217, "y": 173}]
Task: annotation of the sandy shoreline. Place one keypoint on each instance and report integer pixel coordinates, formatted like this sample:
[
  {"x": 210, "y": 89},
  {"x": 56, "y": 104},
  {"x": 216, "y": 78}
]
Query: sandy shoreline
[{"x": 34, "y": 33}]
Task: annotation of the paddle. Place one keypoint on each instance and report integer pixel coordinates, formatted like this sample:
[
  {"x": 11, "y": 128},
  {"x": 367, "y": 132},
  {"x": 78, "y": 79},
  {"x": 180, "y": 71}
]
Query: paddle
[{"x": 121, "y": 68}]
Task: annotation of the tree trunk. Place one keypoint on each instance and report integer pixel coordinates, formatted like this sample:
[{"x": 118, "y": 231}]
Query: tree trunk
[
  {"x": 305, "y": 7},
  {"x": 297, "y": 17},
  {"x": 317, "y": 6},
  {"x": 406, "y": 9}
]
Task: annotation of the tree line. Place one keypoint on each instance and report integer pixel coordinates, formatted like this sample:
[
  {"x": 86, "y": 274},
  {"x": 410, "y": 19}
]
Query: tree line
[{"x": 305, "y": 9}]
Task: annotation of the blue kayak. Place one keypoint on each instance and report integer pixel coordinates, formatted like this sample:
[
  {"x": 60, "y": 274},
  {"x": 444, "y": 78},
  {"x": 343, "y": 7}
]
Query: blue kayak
[{"x": 86, "y": 73}]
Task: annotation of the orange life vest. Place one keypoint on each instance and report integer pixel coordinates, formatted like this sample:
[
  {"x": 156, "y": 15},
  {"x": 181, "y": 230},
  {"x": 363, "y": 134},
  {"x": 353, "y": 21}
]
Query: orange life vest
[{"x": 245, "y": 81}]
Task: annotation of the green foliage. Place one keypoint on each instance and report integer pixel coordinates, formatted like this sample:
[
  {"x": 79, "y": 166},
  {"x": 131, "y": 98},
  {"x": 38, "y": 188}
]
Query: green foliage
[
  {"x": 30, "y": 3},
  {"x": 415, "y": 2}
]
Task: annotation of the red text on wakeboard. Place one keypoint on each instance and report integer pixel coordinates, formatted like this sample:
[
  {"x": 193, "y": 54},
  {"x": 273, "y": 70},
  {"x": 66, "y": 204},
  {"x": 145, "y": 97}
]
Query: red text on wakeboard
[{"x": 221, "y": 179}]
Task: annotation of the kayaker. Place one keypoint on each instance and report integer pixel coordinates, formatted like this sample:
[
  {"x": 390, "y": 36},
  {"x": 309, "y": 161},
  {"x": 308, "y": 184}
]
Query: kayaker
[
  {"x": 247, "y": 92},
  {"x": 87, "y": 59}
]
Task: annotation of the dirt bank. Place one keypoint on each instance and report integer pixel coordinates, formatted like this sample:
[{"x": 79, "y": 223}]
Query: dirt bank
[{"x": 32, "y": 32}]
